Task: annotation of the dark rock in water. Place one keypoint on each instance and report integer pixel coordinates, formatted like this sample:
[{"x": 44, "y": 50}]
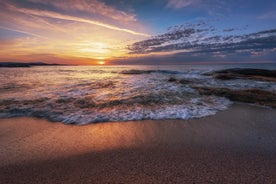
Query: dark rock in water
[
  {"x": 180, "y": 81},
  {"x": 250, "y": 71},
  {"x": 184, "y": 81},
  {"x": 249, "y": 95},
  {"x": 136, "y": 72},
  {"x": 224, "y": 76},
  {"x": 244, "y": 73},
  {"x": 171, "y": 79}
]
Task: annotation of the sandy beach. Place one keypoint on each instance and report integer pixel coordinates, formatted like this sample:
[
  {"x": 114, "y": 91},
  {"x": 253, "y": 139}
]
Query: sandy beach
[
  {"x": 134, "y": 92},
  {"x": 237, "y": 145}
]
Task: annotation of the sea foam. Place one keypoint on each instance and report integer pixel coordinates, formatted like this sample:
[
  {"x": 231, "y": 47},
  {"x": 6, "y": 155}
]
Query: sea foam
[{"x": 81, "y": 95}]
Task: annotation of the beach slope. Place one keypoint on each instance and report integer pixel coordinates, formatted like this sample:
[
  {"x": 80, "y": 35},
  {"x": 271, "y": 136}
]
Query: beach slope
[{"x": 237, "y": 145}]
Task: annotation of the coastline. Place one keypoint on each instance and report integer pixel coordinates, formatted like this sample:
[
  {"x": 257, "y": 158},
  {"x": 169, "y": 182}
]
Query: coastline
[{"x": 237, "y": 145}]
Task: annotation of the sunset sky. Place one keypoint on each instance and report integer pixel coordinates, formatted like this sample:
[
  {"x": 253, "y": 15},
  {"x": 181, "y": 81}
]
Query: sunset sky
[{"x": 137, "y": 31}]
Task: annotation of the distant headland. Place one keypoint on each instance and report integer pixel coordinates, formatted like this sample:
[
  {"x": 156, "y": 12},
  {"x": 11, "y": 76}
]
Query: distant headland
[{"x": 18, "y": 64}]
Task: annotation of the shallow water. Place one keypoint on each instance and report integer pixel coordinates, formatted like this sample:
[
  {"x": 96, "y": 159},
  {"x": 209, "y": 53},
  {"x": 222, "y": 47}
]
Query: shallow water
[{"x": 89, "y": 94}]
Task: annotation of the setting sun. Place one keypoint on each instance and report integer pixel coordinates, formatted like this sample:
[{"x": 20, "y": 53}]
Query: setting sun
[{"x": 101, "y": 62}]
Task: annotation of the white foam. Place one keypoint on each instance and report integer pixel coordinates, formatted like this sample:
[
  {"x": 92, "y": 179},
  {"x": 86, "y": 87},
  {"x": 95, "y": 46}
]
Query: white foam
[
  {"x": 117, "y": 97},
  {"x": 199, "y": 107}
]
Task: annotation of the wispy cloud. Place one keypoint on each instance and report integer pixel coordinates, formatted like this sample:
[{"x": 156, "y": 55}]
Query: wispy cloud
[
  {"x": 50, "y": 14},
  {"x": 56, "y": 28},
  {"x": 268, "y": 15},
  {"x": 91, "y": 7},
  {"x": 21, "y": 31},
  {"x": 235, "y": 29},
  {"x": 199, "y": 38},
  {"x": 177, "y": 4}
]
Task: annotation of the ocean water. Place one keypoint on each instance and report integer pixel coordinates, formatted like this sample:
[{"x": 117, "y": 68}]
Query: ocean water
[{"x": 90, "y": 94}]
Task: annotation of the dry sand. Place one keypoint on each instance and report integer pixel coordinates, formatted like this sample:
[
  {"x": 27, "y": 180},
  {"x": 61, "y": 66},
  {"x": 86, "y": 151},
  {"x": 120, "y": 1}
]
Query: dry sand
[{"x": 235, "y": 146}]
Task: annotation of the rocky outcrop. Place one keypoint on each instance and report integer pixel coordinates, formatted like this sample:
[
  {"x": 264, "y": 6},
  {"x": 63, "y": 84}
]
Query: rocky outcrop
[
  {"x": 249, "y": 95},
  {"x": 180, "y": 81},
  {"x": 172, "y": 79},
  {"x": 185, "y": 81},
  {"x": 137, "y": 72},
  {"x": 244, "y": 73}
]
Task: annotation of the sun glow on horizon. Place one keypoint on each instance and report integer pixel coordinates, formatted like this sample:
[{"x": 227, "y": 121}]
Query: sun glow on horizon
[
  {"x": 101, "y": 62},
  {"x": 102, "y": 32},
  {"x": 79, "y": 40}
]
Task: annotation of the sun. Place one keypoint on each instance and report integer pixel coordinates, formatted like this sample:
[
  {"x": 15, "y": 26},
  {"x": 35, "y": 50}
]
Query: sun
[{"x": 101, "y": 62}]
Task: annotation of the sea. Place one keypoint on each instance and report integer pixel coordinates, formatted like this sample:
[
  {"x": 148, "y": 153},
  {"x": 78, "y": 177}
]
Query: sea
[{"x": 92, "y": 94}]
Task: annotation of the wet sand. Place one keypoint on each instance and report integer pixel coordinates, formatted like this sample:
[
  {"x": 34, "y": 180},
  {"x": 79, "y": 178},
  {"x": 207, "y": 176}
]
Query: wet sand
[{"x": 234, "y": 146}]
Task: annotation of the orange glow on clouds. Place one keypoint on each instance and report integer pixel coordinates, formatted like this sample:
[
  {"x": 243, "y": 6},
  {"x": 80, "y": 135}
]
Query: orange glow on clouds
[{"x": 50, "y": 36}]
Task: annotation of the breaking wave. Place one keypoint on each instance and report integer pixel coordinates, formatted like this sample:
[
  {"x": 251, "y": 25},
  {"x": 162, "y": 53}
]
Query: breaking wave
[
  {"x": 81, "y": 95},
  {"x": 85, "y": 110}
]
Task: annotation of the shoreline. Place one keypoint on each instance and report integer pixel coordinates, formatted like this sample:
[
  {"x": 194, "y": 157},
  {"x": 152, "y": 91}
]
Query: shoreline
[{"x": 237, "y": 145}]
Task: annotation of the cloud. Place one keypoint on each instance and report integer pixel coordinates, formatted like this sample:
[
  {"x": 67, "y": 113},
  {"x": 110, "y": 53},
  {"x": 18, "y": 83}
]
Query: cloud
[
  {"x": 201, "y": 39},
  {"x": 57, "y": 15},
  {"x": 235, "y": 29},
  {"x": 36, "y": 27},
  {"x": 178, "y": 4},
  {"x": 94, "y": 7},
  {"x": 268, "y": 15},
  {"x": 77, "y": 19},
  {"x": 21, "y": 31}
]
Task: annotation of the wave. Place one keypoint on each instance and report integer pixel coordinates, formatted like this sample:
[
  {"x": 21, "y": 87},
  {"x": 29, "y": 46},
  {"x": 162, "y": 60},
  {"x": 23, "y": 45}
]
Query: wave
[
  {"x": 83, "y": 95},
  {"x": 86, "y": 110},
  {"x": 4, "y": 88}
]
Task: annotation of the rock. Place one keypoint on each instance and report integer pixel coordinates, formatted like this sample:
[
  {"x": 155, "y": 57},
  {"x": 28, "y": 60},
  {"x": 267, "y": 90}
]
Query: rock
[
  {"x": 184, "y": 81},
  {"x": 249, "y": 95},
  {"x": 136, "y": 72},
  {"x": 250, "y": 71},
  {"x": 180, "y": 81},
  {"x": 244, "y": 73},
  {"x": 171, "y": 79},
  {"x": 224, "y": 76}
]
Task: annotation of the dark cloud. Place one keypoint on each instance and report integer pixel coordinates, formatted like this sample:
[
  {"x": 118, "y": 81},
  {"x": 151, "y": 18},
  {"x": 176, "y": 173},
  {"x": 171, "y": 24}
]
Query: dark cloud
[
  {"x": 229, "y": 30},
  {"x": 199, "y": 39},
  {"x": 235, "y": 29},
  {"x": 173, "y": 39}
]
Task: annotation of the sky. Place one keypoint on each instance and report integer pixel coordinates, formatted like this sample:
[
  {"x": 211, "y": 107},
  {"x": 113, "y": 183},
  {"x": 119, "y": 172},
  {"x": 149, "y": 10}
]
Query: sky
[{"x": 138, "y": 31}]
